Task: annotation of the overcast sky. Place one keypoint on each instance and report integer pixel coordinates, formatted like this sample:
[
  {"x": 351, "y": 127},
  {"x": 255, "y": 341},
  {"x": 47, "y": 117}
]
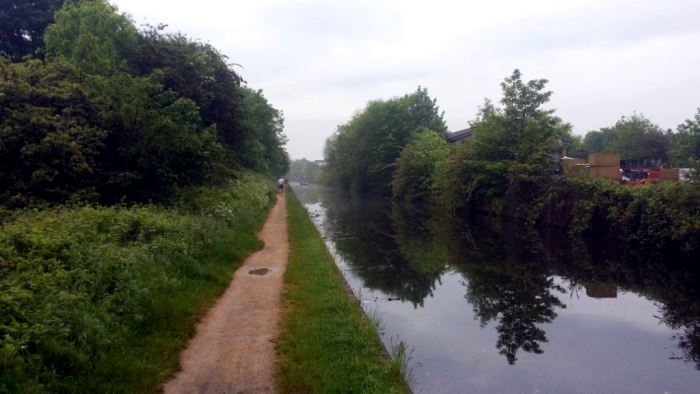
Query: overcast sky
[{"x": 320, "y": 61}]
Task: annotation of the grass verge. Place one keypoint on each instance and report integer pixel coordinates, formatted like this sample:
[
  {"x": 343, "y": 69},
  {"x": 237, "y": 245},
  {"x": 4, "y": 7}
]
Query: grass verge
[
  {"x": 327, "y": 344},
  {"x": 103, "y": 299}
]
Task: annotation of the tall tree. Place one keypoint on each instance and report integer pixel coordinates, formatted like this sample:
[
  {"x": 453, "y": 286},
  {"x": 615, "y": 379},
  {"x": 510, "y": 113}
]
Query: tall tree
[
  {"x": 416, "y": 166},
  {"x": 50, "y": 137},
  {"x": 685, "y": 143},
  {"x": 202, "y": 74},
  {"x": 266, "y": 151},
  {"x": 510, "y": 152},
  {"x": 22, "y": 25},
  {"x": 361, "y": 154},
  {"x": 93, "y": 36},
  {"x": 636, "y": 138}
]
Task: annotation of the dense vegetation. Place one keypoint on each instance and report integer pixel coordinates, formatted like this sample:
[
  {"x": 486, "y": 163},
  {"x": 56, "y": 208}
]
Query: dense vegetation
[
  {"x": 416, "y": 166},
  {"x": 361, "y": 154},
  {"x": 115, "y": 114},
  {"x": 134, "y": 171},
  {"x": 507, "y": 167},
  {"x": 327, "y": 344},
  {"x": 103, "y": 299},
  {"x": 639, "y": 139}
]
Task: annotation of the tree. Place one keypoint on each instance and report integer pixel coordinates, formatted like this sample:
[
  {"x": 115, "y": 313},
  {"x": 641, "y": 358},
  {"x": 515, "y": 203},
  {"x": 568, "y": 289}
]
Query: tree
[
  {"x": 636, "y": 138},
  {"x": 361, "y": 154},
  {"x": 416, "y": 167},
  {"x": 266, "y": 151},
  {"x": 50, "y": 137},
  {"x": 22, "y": 25},
  {"x": 594, "y": 141},
  {"x": 202, "y": 74},
  {"x": 510, "y": 152},
  {"x": 155, "y": 141},
  {"x": 685, "y": 144},
  {"x": 93, "y": 36}
]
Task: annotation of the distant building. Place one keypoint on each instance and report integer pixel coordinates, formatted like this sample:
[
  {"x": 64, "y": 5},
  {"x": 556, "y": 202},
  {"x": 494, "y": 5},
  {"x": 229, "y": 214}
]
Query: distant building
[
  {"x": 320, "y": 163},
  {"x": 459, "y": 136}
]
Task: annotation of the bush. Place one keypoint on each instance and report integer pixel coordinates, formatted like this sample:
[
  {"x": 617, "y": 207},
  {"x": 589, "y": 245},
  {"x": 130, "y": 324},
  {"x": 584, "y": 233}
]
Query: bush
[
  {"x": 663, "y": 218},
  {"x": 416, "y": 167},
  {"x": 102, "y": 299}
]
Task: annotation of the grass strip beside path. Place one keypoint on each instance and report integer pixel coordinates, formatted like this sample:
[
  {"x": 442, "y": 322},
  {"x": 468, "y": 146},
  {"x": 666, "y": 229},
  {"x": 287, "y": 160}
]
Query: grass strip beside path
[{"x": 326, "y": 344}]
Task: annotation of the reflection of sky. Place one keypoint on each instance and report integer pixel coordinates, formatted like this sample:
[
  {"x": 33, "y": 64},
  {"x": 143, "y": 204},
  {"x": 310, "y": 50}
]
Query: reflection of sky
[
  {"x": 628, "y": 308},
  {"x": 608, "y": 345}
]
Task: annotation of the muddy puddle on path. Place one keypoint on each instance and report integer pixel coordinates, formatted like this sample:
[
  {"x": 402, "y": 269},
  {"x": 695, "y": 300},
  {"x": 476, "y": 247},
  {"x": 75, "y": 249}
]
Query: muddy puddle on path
[{"x": 260, "y": 271}]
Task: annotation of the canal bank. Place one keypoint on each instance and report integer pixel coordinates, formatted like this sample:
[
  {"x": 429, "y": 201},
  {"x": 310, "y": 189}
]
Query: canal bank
[
  {"x": 488, "y": 310},
  {"x": 326, "y": 344}
]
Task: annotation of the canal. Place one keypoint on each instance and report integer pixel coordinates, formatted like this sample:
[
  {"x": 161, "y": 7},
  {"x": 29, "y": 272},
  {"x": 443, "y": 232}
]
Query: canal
[{"x": 487, "y": 307}]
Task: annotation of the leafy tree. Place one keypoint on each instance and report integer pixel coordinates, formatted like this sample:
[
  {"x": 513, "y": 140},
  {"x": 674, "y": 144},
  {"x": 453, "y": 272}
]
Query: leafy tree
[
  {"x": 200, "y": 73},
  {"x": 594, "y": 141},
  {"x": 509, "y": 153},
  {"x": 636, "y": 138},
  {"x": 50, "y": 138},
  {"x": 416, "y": 167},
  {"x": 362, "y": 152},
  {"x": 155, "y": 141},
  {"x": 685, "y": 144},
  {"x": 22, "y": 25},
  {"x": 577, "y": 147},
  {"x": 93, "y": 36},
  {"x": 266, "y": 151}
]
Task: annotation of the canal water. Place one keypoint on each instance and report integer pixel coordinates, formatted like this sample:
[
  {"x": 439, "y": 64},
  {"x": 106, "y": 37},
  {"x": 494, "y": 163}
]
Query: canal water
[{"x": 488, "y": 307}]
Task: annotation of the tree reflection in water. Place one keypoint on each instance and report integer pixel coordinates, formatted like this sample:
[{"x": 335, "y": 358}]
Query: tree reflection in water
[
  {"x": 508, "y": 270},
  {"x": 505, "y": 286},
  {"x": 364, "y": 236}
]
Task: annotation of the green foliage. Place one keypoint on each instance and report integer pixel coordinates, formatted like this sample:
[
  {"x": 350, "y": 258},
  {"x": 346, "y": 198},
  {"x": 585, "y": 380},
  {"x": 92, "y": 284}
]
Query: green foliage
[
  {"x": 246, "y": 123},
  {"x": 92, "y": 35},
  {"x": 103, "y": 299},
  {"x": 23, "y": 23},
  {"x": 663, "y": 219},
  {"x": 155, "y": 140},
  {"x": 266, "y": 123},
  {"x": 509, "y": 153},
  {"x": 119, "y": 115},
  {"x": 50, "y": 139},
  {"x": 416, "y": 167},
  {"x": 634, "y": 137},
  {"x": 361, "y": 154},
  {"x": 327, "y": 345},
  {"x": 685, "y": 144}
]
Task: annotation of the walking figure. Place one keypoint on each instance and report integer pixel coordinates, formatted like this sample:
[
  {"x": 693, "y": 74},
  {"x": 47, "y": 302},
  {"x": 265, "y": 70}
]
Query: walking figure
[{"x": 280, "y": 185}]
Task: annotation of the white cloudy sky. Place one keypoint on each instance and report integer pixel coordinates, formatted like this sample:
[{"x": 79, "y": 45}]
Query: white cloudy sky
[{"x": 319, "y": 61}]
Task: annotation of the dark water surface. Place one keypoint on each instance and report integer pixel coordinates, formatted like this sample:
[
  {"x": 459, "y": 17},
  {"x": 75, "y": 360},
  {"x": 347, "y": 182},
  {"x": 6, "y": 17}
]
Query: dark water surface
[{"x": 490, "y": 308}]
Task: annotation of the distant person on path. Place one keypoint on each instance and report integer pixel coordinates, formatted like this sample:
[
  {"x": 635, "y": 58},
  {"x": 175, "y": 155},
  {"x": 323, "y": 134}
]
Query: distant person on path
[{"x": 280, "y": 185}]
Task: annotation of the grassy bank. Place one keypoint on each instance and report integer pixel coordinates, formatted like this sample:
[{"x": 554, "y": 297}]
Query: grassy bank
[
  {"x": 327, "y": 344},
  {"x": 102, "y": 299}
]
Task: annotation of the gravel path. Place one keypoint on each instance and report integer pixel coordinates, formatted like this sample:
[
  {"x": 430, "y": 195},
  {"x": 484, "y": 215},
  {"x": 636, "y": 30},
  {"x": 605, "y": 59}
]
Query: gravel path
[{"x": 234, "y": 348}]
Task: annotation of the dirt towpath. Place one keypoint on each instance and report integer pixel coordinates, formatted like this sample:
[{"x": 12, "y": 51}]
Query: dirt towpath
[{"x": 233, "y": 350}]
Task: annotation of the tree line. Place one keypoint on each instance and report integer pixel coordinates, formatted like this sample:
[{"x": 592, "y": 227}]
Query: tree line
[
  {"x": 94, "y": 109},
  {"x": 397, "y": 149}
]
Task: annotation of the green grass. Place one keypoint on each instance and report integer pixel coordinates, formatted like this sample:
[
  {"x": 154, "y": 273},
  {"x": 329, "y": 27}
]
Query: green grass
[
  {"x": 103, "y": 299},
  {"x": 327, "y": 344}
]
